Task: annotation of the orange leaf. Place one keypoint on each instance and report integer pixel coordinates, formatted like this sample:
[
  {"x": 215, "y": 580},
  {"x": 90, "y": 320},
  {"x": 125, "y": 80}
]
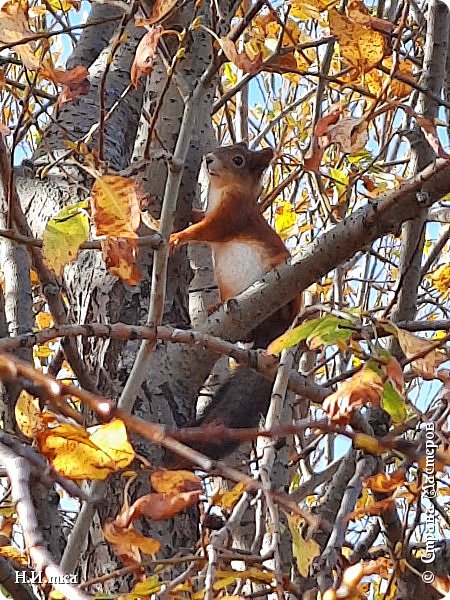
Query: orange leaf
[
  {"x": 241, "y": 60},
  {"x": 127, "y": 542},
  {"x": 115, "y": 206},
  {"x": 361, "y": 46},
  {"x": 61, "y": 76},
  {"x": 163, "y": 506},
  {"x": 364, "y": 387},
  {"x": 145, "y": 54},
  {"x": 172, "y": 482},
  {"x": 386, "y": 482},
  {"x": 120, "y": 255}
]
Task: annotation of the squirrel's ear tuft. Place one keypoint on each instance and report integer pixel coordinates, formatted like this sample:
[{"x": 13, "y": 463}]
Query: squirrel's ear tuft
[{"x": 264, "y": 158}]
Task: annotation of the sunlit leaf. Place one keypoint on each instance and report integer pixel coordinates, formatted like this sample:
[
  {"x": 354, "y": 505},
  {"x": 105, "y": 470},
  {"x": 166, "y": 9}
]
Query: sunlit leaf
[
  {"x": 303, "y": 550},
  {"x": 115, "y": 206},
  {"x": 79, "y": 455},
  {"x": 172, "y": 482},
  {"x": 28, "y": 414},
  {"x": 227, "y": 500},
  {"x": 365, "y": 387},
  {"x": 323, "y": 331},
  {"x": 63, "y": 236}
]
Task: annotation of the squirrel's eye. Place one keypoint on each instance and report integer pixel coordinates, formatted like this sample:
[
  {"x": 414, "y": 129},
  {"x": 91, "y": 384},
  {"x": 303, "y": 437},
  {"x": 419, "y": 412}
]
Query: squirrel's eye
[{"x": 238, "y": 160}]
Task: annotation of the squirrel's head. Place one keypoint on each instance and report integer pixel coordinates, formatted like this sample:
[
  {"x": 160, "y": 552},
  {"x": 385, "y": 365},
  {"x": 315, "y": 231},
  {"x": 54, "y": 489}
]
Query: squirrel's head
[{"x": 229, "y": 165}]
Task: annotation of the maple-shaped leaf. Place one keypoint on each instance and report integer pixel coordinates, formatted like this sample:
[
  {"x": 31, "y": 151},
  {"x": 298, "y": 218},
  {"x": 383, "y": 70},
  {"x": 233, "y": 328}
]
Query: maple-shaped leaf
[
  {"x": 115, "y": 206},
  {"x": 64, "y": 234},
  {"x": 120, "y": 256},
  {"x": 365, "y": 387},
  {"x": 145, "y": 54}
]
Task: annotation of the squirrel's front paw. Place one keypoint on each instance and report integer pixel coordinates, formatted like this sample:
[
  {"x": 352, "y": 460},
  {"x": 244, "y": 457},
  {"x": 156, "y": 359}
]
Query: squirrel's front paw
[{"x": 174, "y": 242}]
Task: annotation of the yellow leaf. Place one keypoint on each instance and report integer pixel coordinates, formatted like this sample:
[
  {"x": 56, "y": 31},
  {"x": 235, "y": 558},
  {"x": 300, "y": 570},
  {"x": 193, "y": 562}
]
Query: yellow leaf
[
  {"x": 441, "y": 279},
  {"x": 361, "y": 46},
  {"x": 77, "y": 455},
  {"x": 63, "y": 236},
  {"x": 304, "y": 551},
  {"x": 228, "y": 500},
  {"x": 309, "y": 9},
  {"x": 113, "y": 440},
  {"x": 144, "y": 588},
  {"x": 12, "y": 553},
  {"x": 44, "y": 320},
  {"x": 28, "y": 414},
  {"x": 367, "y": 443},
  {"x": 115, "y": 206},
  {"x": 285, "y": 220}
]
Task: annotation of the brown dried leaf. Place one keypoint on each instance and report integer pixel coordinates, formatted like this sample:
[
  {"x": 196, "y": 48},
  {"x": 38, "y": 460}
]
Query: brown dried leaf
[
  {"x": 13, "y": 28},
  {"x": 412, "y": 345},
  {"x": 160, "y": 11},
  {"x": 128, "y": 543},
  {"x": 145, "y": 54}
]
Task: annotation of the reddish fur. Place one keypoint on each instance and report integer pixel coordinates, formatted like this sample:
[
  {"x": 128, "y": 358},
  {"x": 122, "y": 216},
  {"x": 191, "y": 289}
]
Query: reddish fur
[{"x": 236, "y": 218}]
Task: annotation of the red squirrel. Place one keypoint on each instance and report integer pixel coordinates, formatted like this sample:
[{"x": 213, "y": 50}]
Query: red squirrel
[{"x": 244, "y": 246}]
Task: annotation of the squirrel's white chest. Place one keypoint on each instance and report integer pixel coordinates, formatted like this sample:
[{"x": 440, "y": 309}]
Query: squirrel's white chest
[{"x": 236, "y": 266}]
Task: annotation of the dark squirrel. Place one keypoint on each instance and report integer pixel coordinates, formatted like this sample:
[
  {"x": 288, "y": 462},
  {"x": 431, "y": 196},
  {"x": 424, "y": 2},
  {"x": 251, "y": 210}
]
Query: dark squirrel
[{"x": 244, "y": 248}]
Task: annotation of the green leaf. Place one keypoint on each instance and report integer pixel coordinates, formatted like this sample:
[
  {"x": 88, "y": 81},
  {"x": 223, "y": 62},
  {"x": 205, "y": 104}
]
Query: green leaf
[
  {"x": 64, "y": 234},
  {"x": 323, "y": 331},
  {"x": 393, "y": 403}
]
